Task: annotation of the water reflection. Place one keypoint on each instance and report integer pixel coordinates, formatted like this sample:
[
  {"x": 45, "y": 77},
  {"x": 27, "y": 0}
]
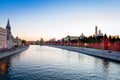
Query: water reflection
[
  {"x": 4, "y": 67},
  {"x": 47, "y": 63},
  {"x": 105, "y": 64}
]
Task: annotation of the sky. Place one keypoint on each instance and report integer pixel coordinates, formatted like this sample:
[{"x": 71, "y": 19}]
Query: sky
[{"x": 35, "y": 19}]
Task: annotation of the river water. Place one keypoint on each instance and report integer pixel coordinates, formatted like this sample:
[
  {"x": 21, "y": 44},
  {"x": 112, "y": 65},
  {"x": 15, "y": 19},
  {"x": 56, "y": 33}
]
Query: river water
[{"x": 48, "y": 63}]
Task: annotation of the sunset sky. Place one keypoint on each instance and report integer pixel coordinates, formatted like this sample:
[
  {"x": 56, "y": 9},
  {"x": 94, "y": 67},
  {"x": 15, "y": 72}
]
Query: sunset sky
[{"x": 35, "y": 19}]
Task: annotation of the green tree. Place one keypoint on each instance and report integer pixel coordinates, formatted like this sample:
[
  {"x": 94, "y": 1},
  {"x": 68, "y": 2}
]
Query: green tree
[
  {"x": 105, "y": 36},
  {"x": 24, "y": 42}
]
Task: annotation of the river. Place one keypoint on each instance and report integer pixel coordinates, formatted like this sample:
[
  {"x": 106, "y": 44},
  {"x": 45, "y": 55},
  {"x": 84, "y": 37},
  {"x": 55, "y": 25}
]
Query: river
[{"x": 48, "y": 63}]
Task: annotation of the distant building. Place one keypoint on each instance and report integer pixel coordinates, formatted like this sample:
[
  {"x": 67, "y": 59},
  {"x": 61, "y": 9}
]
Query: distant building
[
  {"x": 17, "y": 42},
  {"x": 71, "y": 38},
  {"x": 98, "y": 33},
  {"x": 115, "y": 36},
  {"x": 82, "y": 36}
]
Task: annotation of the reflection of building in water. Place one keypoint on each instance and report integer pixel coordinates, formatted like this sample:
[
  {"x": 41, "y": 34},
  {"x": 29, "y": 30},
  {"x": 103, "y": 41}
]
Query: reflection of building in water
[
  {"x": 4, "y": 66},
  {"x": 105, "y": 65}
]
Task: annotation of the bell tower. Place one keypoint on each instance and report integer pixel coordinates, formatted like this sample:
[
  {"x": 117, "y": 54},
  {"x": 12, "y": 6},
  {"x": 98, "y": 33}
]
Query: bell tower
[{"x": 9, "y": 35}]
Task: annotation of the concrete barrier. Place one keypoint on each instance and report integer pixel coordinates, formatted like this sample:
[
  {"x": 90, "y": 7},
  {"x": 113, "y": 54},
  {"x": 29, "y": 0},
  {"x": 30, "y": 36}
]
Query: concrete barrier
[
  {"x": 113, "y": 55},
  {"x": 11, "y": 52}
]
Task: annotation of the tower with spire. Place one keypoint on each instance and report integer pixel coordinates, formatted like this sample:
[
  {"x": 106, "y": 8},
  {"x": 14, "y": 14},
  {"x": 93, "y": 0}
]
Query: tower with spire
[{"x": 9, "y": 42}]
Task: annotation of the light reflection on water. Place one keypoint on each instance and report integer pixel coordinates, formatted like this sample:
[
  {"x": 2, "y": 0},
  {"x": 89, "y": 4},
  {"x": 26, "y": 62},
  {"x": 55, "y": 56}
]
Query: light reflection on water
[{"x": 47, "y": 63}]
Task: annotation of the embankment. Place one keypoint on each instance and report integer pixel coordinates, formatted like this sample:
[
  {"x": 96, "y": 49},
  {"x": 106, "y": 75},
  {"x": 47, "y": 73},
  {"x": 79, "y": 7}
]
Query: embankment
[
  {"x": 111, "y": 55},
  {"x": 13, "y": 51}
]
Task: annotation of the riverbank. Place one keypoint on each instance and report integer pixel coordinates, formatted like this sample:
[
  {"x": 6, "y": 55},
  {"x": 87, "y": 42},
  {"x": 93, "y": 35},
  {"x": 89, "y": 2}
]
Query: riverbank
[
  {"x": 13, "y": 51},
  {"x": 106, "y": 54}
]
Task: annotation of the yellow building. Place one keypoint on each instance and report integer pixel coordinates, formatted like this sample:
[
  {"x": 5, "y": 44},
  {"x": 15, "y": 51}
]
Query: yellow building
[
  {"x": 3, "y": 36},
  {"x": 17, "y": 42}
]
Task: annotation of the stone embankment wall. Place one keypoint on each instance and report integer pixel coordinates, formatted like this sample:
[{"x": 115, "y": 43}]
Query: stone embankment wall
[
  {"x": 112, "y": 55},
  {"x": 13, "y": 51}
]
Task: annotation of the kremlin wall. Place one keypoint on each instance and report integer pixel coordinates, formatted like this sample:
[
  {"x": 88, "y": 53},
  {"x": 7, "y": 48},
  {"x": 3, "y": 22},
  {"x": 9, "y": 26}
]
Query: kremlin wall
[{"x": 97, "y": 41}]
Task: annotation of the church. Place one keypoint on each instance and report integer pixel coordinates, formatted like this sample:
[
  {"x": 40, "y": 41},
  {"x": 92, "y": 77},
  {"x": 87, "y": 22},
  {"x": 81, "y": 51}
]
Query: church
[{"x": 5, "y": 37}]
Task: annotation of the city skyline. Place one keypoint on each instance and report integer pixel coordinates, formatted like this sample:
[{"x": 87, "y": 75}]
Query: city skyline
[{"x": 35, "y": 19}]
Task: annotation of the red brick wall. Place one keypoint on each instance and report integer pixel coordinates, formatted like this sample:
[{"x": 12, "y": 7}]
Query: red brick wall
[{"x": 105, "y": 44}]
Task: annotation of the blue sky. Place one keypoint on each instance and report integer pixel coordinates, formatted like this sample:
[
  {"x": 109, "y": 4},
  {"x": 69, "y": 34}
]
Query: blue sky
[{"x": 32, "y": 19}]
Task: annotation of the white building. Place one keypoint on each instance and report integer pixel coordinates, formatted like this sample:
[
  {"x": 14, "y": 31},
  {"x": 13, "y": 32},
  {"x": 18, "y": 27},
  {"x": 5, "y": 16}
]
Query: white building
[
  {"x": 9, "y": 36},
  {"x": 5, "y": 37},
  {"x": 98, "y": 33}
]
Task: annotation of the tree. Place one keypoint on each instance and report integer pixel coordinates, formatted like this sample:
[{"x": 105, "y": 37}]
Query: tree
[
  {"x": 24, "y": 42},
  {"x": 105, "y": 36},
  {"x": 69, "y": 40},
  {"x": 41, "y": 41},
  {"x": 110, "y": 37},
  {"x": 62, "y": 40}
]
